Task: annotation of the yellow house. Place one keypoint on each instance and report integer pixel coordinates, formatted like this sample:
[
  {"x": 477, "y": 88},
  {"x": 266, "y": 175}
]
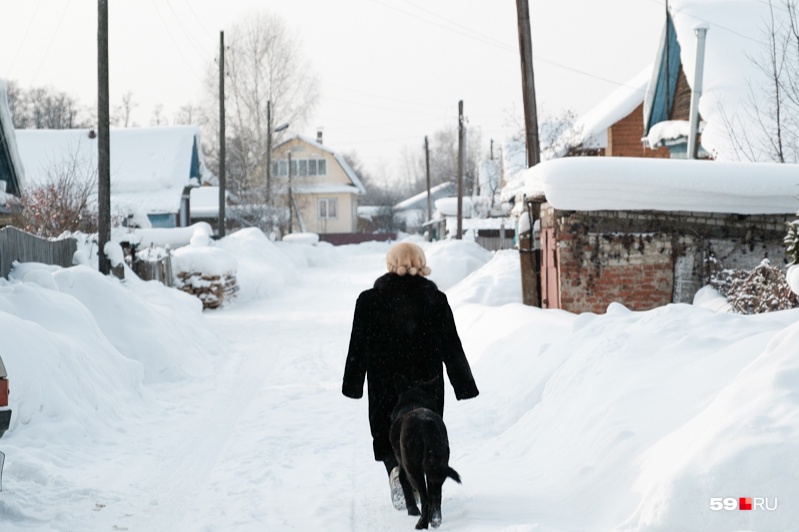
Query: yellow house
[{"x": 323, "y": 186}]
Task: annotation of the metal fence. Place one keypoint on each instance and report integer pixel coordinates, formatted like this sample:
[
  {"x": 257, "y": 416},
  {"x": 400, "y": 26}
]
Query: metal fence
[{"x": 18, "y": 245}]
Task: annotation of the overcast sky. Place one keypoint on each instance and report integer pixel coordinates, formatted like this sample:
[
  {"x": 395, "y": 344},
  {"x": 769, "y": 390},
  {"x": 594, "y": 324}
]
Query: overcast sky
[{"x": 390, "y": 71}]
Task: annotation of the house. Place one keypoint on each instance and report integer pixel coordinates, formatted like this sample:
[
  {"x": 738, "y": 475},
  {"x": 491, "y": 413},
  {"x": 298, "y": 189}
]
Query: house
[
  {"x": 152, "y": 169},
  {"x": 323, "y": 188},
  {"x": 11, "y": 170},
  {"x": 614, "y": 127},
  {"x": 412, "y": 212},
  {"x": 647, "y": 232}
]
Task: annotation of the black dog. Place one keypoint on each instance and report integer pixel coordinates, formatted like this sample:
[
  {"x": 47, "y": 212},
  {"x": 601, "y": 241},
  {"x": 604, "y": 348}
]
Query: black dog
[{"x": 419, "y": 439}]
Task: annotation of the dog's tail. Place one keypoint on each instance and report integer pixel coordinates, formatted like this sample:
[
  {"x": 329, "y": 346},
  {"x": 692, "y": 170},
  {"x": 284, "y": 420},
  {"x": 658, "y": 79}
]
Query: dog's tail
[{"x": 451, "y": 473}]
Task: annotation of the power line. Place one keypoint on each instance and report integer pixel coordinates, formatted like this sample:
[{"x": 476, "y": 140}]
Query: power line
[
  {"x": 197, "y": 46},
  {"x": 177, "y": 47},
  {"x": 383, "y": 96},
  {"x": 50, "y": 44},
  {"x": 503, "y": 46},
  {"x": 24, "y": 37}
]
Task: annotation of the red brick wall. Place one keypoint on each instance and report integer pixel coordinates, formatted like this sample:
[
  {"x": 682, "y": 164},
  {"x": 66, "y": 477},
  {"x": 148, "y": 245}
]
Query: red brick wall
[
  {"x": 600, "y": 270},
  {"x": 624, "y": 138},
  {"x": 630, "y": 256}
]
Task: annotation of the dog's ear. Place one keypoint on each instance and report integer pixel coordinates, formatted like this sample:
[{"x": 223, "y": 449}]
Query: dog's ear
[{"x": 401, "y": 383}]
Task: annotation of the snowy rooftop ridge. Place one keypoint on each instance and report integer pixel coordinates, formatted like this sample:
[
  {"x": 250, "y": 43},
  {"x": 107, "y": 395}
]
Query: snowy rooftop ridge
[{"x": 623, "y": 183}]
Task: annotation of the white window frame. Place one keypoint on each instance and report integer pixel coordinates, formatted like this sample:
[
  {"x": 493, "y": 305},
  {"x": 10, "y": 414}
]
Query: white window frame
[{"x": 324, "y": 204}]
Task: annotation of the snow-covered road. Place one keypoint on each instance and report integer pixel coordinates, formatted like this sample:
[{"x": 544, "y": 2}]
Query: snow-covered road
[
  {"x": 135, "y": 411},
  {"x": 268, "y": 443}
]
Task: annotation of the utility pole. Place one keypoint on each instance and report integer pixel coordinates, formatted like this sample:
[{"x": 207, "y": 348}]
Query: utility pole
[
  {"x": 291, "y": 199},
  {"x": 527, "y": 252},
  {"x": 528, "y": 84},
  {"x": 459, "y": 234},
  {"x": 221, "y": 230},
  {"x": 268, "y": 150},
  {"x": 103, "y": 140},
  {"x": 427, "y": 174}
]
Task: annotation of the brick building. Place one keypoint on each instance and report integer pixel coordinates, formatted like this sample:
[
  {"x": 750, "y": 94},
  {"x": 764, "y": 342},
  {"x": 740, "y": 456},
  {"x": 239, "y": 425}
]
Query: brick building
[{"x": 639, "y": 231}]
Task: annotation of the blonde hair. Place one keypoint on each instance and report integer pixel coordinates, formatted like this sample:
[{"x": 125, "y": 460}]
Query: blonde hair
[{"x": 407, "y": 257}]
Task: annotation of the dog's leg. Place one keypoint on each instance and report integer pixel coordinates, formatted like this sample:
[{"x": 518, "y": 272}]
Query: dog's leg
[
  {"x": 434, "y": 494},
  {"x": 407, "y": 491},
  {"x": 416, "y": 476}
]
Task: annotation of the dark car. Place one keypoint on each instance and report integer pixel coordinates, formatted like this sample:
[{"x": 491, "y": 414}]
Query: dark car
[{"x": 5, "y": 411}]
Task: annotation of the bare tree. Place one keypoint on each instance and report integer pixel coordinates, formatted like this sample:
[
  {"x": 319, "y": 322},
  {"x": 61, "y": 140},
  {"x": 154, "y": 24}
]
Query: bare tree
[
  {"x": 43, "y": 108},
  {"x": 264, "y": 64},
  {"x": 772, "y": 104},
  {"x": 188, "y": 114},
  {"x": 158, "y": 118},
  {"x": 122, "y": 113}
]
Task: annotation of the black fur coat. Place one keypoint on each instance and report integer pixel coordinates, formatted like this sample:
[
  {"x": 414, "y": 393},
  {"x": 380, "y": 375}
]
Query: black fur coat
[{"x": 403, "y": 325}]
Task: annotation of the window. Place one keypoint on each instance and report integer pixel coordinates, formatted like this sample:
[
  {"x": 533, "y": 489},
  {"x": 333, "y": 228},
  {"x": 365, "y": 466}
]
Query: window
[
  {"x": 328, "y": 208},
  {"x": 300, "y": 167}
]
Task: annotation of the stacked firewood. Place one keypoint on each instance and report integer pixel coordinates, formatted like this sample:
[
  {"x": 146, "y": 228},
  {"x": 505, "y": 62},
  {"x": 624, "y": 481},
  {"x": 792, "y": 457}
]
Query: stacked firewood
[{"x": 212, "y": 290}]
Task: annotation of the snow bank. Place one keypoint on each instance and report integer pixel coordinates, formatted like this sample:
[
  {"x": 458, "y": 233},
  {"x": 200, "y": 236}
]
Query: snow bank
[
  {"x": 453, "y": 260},
  {"x": 496, "y": 283},
  {"x": 262, "y": 269}
]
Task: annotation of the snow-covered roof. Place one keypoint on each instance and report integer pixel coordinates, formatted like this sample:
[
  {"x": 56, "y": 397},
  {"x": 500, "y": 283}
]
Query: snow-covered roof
[
  {"x": 325, "y": 188},
  {"x": 592, "y": 128},
  {"x": 625, "y": 183},
  {"x": 149, "y": 166},
  {"x": 204, "y": 202},
  {"x": 419, "y": 201},
  {"x": 356, "y": 181}
]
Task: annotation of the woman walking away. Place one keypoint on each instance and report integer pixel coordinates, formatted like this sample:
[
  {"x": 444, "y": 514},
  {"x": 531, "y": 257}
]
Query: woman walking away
[{"x": 403, "y": 326}]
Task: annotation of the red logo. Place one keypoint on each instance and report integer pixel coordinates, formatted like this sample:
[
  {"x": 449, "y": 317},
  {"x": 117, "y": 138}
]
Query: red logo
[{"x": 745, "y": 503}]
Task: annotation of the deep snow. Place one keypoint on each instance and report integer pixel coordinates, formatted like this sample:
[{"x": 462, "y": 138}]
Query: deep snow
[{"x": 136, "y": 410}]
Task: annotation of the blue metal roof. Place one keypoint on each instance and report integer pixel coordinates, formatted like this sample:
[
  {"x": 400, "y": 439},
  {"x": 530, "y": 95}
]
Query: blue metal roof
[{"x": 668, "y": 69}]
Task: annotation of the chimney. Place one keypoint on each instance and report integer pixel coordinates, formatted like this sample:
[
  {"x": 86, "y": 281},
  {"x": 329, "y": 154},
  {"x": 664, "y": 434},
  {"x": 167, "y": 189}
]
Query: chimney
[
  {"x": 693, "y": 133},
  {"x": 319, "y": 136}
]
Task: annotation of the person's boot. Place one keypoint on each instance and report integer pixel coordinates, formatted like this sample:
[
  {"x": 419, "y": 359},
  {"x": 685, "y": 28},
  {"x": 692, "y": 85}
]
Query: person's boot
[{"x": 397, "y": 496}]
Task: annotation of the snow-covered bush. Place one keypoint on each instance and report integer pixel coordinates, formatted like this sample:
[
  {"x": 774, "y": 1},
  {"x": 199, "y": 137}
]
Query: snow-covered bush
[
  {"x": 792, "y": 241},
  {"x": 764, "y": 289}
]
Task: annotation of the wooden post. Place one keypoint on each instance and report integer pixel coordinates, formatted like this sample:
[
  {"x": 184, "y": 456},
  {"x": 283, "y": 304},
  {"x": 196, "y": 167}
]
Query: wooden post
[
  {"x": 528, "y": 84},
  {"x": 459, "y": 234},
  {"x": 103, "y": 140},
  {"x": 268, "y": 149},
  {"x": 427, "y": 173},
  {"x": 529, "y": 259},
  {"x": 221, "y": 229}
]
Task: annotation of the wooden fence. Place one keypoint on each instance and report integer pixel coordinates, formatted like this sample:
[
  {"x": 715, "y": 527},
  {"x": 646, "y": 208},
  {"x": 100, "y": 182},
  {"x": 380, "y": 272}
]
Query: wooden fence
[
  {"x": 154, "y": 270},
  {"x": 25, "y": 247},
  {"x": 496, "y": 239}
]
